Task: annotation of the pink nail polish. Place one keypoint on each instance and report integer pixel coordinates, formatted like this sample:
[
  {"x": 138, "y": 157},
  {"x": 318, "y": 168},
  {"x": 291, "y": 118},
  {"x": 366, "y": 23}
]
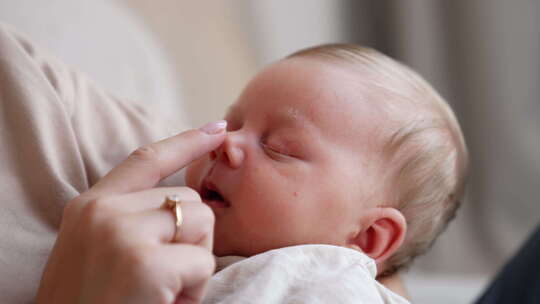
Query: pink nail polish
[{"x": 214, "y": 127}]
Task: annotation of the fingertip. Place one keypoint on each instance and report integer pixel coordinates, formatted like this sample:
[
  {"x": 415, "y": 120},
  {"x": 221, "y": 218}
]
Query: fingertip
[{"x": 214, "y": 128}]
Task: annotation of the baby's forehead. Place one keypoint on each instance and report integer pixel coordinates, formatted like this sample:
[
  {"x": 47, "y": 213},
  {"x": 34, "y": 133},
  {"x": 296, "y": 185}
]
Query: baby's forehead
[{"x": 341, "y": 102}]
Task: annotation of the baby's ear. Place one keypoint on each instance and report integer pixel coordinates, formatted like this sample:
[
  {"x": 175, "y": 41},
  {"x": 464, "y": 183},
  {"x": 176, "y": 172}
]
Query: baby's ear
[{"x": 382, "y": 233}]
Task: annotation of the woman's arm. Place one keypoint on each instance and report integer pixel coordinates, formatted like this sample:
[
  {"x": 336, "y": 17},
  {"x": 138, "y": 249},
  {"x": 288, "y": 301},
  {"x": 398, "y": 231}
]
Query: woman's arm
[{"x": 60, "y": 133}]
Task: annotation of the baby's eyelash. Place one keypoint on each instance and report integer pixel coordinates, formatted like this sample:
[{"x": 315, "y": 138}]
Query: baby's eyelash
[{"x": 281, "y": 152}]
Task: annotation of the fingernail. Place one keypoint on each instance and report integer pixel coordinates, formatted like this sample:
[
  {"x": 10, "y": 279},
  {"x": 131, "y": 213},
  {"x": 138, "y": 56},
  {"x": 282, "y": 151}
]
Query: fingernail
[{"x": 214, "y": 127}]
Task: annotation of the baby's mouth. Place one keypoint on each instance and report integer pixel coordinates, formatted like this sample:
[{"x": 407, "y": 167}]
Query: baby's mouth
[{"x": 212, "y": 197}]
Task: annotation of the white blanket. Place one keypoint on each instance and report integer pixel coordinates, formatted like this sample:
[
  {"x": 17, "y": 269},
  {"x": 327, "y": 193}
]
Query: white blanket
[{"x": 301, "y": 274}]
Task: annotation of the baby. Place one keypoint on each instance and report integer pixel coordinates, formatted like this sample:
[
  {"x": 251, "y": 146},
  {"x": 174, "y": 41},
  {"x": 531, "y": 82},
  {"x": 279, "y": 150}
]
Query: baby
[{"x": 337, "y": 145}]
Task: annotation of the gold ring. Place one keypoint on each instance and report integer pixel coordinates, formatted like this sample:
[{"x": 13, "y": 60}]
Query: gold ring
[{"x": 174, "y": 203}]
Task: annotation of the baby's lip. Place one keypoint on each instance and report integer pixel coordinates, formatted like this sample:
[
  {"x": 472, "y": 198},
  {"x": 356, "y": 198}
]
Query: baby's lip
[{"x": 212, "y": 196}]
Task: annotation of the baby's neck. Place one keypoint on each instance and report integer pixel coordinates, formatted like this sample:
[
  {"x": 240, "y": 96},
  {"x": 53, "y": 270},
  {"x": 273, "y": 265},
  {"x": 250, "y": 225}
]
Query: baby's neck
[{"x": 225, "y": 261}]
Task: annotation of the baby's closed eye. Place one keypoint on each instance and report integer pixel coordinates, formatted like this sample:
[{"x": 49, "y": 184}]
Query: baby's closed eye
[{"x": 281, "y": 148}]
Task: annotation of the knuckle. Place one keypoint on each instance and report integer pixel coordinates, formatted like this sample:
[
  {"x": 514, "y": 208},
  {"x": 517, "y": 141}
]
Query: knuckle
[
  {"x": 95, "y": 209},
  {"x": 206, "y": 216},
  {"x": 138, "y": 259},
  {"x": 73, "y": 208},
  {"x": 206, "y": 261},
  {"x": 103, "y": 221},
  {"x": 146, "y": 153},
  {"x": 191, "y": 194},
  {"x": 114, "y": 229},
  {"x": 206, "y": 220}
]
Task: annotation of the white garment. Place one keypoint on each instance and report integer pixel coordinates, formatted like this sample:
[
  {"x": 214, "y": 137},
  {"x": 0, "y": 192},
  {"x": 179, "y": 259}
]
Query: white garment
[{"x": 301, "y": 274}]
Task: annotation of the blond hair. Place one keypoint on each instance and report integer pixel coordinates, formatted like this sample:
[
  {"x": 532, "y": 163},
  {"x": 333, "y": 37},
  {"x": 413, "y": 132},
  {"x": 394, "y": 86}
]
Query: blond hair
[{"x": 427, "y": 147}]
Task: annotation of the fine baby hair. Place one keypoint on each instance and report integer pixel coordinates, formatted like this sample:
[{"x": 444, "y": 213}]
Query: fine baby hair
[{"x": 425, "y": 143}]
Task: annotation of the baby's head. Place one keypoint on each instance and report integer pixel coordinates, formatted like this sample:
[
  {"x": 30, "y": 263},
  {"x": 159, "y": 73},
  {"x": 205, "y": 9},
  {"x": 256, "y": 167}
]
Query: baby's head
[{"x": 340, "y": 145}]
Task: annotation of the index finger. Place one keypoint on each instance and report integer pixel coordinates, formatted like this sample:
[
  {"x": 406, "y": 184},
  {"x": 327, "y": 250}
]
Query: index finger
[{"x": 146, "y": 166}]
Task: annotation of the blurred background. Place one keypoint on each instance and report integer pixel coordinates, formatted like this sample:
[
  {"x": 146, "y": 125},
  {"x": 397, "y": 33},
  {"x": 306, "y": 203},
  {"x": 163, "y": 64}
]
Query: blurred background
[{"x": 192, "y": 59}]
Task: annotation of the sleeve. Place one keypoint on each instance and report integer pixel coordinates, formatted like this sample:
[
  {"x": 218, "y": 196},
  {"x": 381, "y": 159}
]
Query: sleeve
[
  {"x": 59, "y": 133},
  {"x": 313, "y": 274}
]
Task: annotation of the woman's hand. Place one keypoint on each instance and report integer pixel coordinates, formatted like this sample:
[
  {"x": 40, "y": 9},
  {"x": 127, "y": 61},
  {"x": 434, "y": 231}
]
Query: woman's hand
[{"x": 114, "y": 243}]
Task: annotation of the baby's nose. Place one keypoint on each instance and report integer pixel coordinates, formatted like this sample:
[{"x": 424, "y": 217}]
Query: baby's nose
[{"x": 231, "y": 151}]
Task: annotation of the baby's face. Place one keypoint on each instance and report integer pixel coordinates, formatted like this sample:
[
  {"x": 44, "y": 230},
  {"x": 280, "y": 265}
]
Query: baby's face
[{"x": 300, "y": 163}]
